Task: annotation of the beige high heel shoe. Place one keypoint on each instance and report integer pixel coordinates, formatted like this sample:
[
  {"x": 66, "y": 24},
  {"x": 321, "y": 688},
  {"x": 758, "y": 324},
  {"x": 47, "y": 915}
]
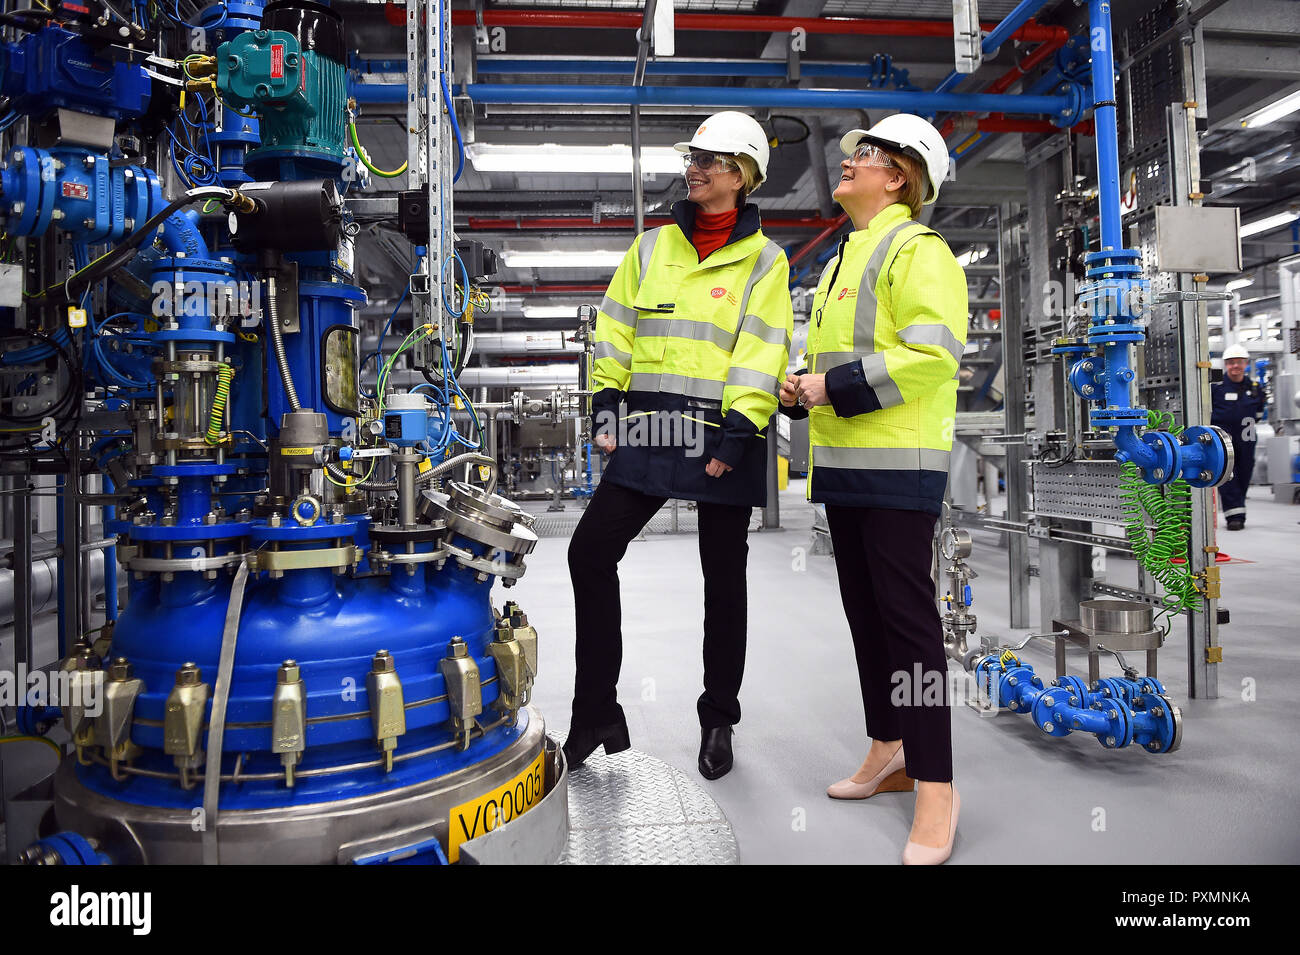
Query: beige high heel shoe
[
  {"x": 892, "y": 779},
  {"x": 916, "y": 854}
]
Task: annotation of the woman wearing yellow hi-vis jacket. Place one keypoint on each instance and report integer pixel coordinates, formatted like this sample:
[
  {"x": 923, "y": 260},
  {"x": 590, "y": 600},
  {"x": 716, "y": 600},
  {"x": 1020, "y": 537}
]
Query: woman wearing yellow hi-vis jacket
[
  {"x": 886, "y": 334},
  {"x": 693, "y": 336}
]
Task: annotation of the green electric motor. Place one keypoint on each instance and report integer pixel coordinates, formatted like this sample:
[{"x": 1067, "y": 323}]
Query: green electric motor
[{"x": 292, "y": 74}]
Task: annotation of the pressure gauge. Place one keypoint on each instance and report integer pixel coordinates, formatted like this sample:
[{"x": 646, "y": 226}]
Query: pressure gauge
[{"x": 954, "y": 543}]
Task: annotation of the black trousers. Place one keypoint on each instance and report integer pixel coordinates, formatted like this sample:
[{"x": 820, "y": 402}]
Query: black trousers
[
  {"x": 1232, "y": 492},
  {"x": 883, "y": 560},
  {"x": 616, "y": 515}
]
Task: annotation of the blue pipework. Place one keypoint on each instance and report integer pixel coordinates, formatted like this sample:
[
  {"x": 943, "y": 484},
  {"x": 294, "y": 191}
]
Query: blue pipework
[
  {"x": 996, "y": 37},
  {"x": 1116, "y": 297},
  {"x": 1120, "y": 712},
  {"x": 54, "y": 68},
  {"x": 879, "y": 73}
]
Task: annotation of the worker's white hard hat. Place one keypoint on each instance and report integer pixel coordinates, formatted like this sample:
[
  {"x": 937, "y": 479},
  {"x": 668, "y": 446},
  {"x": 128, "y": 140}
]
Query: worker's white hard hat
[
  {"x": 912, "y": 136},
  {"x": 735, "y": 133},
  {"x": 1235, "y": 351}
]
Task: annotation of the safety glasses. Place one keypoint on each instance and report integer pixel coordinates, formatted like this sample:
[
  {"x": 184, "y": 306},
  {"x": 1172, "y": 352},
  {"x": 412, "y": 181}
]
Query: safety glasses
[
  {"x": 869, "y": 154},
  {"x": 708, "y": 162}
]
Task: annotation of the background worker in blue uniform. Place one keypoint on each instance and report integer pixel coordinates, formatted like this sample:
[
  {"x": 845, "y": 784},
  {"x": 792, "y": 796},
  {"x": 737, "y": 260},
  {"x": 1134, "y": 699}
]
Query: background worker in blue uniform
[
  {"x": 888, "y": 329},
  {"x": 1239, "y": 405},
  {"x": 693, "y": 336}
]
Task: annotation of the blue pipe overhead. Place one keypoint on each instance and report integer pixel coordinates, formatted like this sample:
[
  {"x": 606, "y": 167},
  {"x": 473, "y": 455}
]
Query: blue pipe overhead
[
  {"x": 997, "y": 36},
  {"x": 1059, "y": 107},
  {"x": 1103, "y": 96},
  {"x": 774, "y": 69}
]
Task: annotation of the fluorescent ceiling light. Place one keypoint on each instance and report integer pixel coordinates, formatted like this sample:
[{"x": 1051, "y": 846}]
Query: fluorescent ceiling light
[
  {"x": 550, "y": 311},
  {"x": 1273, "y": 111},
  {"x": 1238, "y": 283},
  {"x": 553, "y": 158},
  {"x": 589, "y": 259},
  {"x": 1268, "y": 224}
]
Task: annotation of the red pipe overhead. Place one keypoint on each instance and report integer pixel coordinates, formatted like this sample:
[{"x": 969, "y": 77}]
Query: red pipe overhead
[
  {"x": 818, "y": 239},
  {"x": 620, "y": 222},
  {"x": 1008, "y": 79},
  {"x": 1031, "y": 32}
]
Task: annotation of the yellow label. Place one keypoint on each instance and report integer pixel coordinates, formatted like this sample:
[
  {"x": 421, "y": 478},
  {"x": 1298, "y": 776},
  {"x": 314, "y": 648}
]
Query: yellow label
[
  {"x": 425, "y": 466},
  {"x": 76, "y": 317},
  {"x": 484, "y": 472},
  {"x": 496, "y": 807},
  {"x": 297, "y": 451},
  {"x": 456, "y": 403}
]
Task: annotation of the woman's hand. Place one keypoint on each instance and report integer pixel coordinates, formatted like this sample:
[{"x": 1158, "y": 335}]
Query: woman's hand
[
  {"x": 606, "y": 443},
  {"x": 811, "y": 391},
  {"x": 716, "y": 468},
  {"x": 789, "y": 390}
]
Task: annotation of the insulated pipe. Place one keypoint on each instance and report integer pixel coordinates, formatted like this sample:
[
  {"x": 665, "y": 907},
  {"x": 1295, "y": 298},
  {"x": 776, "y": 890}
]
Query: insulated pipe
[
  {"x": 516, "y": 376},
  {"x": 44, "y": 579},
  {"x": 733, "y": 23}
]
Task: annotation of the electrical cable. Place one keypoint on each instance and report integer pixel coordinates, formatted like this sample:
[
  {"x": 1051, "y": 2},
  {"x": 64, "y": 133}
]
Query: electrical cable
[
  {"x": 224, "y": 376},
  {"x": 1157, "y": 524},
  {"x": 365, "y": 157},
  {"x": 122, "y": 253}
]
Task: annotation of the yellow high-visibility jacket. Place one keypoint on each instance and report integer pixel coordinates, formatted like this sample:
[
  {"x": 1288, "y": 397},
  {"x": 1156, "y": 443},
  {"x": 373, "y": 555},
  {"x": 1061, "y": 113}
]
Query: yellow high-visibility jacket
[
  {"x": 699, "y": 346},
  {"x": 887, "y": 328}
]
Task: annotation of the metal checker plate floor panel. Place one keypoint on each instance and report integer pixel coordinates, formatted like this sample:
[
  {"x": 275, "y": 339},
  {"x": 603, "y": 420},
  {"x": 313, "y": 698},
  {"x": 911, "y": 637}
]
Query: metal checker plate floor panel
[{"x": 633, "y": 809}]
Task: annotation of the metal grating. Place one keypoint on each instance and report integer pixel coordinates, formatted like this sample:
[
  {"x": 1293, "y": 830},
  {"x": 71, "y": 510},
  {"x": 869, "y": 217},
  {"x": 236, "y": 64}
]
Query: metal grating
[
  {"x": 1081, "y": 490},
  {"x": 631, "y": 809}
]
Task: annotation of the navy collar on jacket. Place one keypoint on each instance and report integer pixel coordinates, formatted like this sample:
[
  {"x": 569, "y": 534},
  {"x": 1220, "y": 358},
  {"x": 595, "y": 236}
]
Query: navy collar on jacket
[{"x": 748, "y": 221}]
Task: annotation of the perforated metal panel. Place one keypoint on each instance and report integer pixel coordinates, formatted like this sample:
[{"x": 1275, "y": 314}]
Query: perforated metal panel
[
  {"x": 631, "y": 808},
  {"x": 1081, "y": 490}
]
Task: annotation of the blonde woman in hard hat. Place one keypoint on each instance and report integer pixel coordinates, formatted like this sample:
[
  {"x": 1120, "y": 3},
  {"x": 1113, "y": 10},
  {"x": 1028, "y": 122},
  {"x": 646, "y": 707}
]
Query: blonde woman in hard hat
[
  {"x": 887, "y": 331},
  {"x": 693, "y": 337}
]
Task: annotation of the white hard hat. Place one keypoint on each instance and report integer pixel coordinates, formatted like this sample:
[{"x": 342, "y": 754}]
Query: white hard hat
[
  {"x": 908, "y": 134},
  {"x": 1235, "y": 351},
  {"x": 735, "y": 133}
]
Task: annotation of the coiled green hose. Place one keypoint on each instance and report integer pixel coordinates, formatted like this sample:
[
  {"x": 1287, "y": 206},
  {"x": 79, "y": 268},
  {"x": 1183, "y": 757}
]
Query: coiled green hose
[
  {"x": 224, "y": 375},
  {"x": 1157, "y": 523}
]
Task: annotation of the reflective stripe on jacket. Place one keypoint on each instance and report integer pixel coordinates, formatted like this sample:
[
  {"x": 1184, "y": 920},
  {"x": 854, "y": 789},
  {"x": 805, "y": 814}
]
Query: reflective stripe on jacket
[
  {"x": 888, "y": 328},
  {"x": 707, "y": 340}
]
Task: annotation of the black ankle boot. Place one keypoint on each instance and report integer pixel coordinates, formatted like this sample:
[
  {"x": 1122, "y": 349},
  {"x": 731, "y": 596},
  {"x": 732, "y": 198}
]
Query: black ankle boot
[
  {"x": 583, "y": 740},
  {"x": 715, "y": 752}
]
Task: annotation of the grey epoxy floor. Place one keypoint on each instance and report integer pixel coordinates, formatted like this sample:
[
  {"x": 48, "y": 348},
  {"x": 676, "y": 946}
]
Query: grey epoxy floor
[{"x": 1228, "y": 795}]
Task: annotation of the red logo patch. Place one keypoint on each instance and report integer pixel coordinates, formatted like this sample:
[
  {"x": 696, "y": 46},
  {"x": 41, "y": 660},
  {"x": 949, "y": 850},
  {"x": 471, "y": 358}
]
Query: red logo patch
[
  {"x": 277, "y": 61},
  {"x": 718, "y": 292},
  {"x": 846, "y": 291},
  {"x": 843, "y": 291}
]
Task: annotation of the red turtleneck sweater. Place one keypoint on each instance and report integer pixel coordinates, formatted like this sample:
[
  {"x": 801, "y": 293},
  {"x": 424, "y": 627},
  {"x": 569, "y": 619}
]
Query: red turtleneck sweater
[{"x": 712, "y": 231}]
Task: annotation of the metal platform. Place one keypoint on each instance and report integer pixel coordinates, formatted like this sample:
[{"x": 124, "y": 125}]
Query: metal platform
[{"x": 631, "y": 808}]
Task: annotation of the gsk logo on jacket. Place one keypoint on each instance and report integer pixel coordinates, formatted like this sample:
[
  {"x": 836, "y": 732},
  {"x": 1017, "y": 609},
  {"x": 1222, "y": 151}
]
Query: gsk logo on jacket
[{"x": 847, "y": 292}]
